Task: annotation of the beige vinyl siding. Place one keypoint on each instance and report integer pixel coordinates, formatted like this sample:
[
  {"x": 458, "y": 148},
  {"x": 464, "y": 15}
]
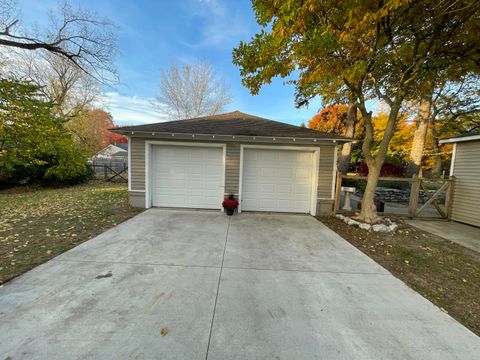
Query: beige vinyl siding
[
  {"x": 137, "y": 199},
  {"x": 325, "y": 172},
  {"x": 466, "y": 195},
  {"x": 232, "y": 168},
  {"x": 137, "y": 164}
]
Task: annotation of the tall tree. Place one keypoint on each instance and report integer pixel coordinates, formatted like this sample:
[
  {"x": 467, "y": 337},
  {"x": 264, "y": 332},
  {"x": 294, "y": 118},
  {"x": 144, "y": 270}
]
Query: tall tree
[
  {"x": 90, "y": 130},
  {"x": 60, "y": 81},
  {"x": 114, "y": 138},
  {"x": 452, "y": 96},
  {"x": 34, "y": 145},
  {"x": 192, "y": 90},
  {"x": 76, "y": 34},
  {"x": 330, "y": 119},
  {"x": 339, "y": 119},
  {"x": 422, "y": 123},
  {"x": 372, "y": 49}
]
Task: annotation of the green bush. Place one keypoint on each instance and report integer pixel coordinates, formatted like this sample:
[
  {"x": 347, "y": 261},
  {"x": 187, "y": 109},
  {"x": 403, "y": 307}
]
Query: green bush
[
  {"x": 35, "y": 147},
  {"x": 67, "y": 167}
]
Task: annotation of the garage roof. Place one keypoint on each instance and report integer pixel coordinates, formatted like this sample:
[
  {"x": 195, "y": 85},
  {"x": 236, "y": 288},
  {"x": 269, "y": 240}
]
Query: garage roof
[{"x": 233, "y": 123}]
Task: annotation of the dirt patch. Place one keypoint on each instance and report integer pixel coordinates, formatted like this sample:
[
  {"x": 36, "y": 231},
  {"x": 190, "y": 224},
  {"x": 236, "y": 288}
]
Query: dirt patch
[
  {"x": 444, "y": 272},
  {"x": 37, "y": 224}
]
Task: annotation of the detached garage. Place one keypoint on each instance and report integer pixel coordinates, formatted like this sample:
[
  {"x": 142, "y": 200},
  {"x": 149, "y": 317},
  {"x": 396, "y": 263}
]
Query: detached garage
[
  {"x": 267, "y": 165},
  {"x": 465, "y": 166}
]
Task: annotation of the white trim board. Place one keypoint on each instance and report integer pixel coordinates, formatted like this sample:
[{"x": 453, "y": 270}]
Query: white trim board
[
  {"x": 315, "y": 168},
  {"x": 334, "y": 175},
  {"x": 129, "y": 163},
  {"x": 460, "y": 139},
  {"x": 452, "y": 160},
  {"x": 148, "y": 146},
  {"x": 225, "y": 137}
]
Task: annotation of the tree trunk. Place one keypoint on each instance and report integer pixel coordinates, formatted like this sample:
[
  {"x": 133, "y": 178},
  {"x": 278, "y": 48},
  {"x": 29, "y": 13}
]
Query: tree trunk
[
  {"x": 369, "y": 210},
  {"x": 350, "y": 123},
  {"x": 418, "y": 144},
  {"x": 437, "y": 158},
  {"x": 368, "y": 213}
]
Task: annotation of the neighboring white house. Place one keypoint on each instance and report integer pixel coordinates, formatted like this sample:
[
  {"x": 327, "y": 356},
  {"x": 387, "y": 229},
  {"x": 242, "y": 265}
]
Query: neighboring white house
[
  {"x": 113, "y": 157},
  {"x": 465, "y": 167},
  {"x": 117, "y": 150}
]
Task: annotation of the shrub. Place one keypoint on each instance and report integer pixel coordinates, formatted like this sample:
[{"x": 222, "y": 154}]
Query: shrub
[
  {"x": 388, "y": 169},
  {"x": 34, "y": 145}
]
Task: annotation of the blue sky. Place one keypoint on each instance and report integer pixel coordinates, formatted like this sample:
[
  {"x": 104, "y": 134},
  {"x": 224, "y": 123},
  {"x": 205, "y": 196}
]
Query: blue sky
[{"x": 153, "y": 34}]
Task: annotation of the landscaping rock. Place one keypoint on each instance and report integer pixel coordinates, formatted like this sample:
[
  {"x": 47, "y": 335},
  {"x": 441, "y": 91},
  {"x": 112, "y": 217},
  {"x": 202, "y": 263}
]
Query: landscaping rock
[
  {"x": 351, "y": 221},
  {"x": 365, "y": 226},
  {"x": 381, "y": 228},
  {"x": 393, "y": 227},
  {"x": 387, "y": 226}
]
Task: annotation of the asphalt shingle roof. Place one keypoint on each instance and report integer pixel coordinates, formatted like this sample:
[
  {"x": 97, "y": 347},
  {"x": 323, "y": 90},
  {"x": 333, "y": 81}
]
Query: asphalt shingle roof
[{"x": 232, "y": 123}]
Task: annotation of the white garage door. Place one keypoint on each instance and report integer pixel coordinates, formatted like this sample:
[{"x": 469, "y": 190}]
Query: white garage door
[
  {"x": 187, "y": 177},
  {"x": 277, "y": 180}
]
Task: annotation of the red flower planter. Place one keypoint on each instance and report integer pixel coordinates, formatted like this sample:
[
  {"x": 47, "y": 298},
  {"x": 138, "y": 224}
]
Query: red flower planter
[{"x": 230, "y": 204}]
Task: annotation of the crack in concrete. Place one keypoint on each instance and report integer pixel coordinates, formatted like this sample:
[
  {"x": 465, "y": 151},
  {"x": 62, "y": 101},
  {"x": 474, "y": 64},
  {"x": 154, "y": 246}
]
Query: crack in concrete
[
  {"x": 222, "y": 266},
  {"x": 218, "y": 289}
]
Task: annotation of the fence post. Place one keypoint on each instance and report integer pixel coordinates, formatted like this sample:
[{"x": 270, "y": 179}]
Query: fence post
[
  {"x": 414, "y": 193},
  {"x": 338, "y": 187},
  {"x": 449, "y": 197},
  {"x": 105, "y": 173}
]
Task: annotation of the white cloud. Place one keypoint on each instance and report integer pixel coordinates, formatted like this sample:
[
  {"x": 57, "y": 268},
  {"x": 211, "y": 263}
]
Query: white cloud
[{"x": 130, "y": 110}]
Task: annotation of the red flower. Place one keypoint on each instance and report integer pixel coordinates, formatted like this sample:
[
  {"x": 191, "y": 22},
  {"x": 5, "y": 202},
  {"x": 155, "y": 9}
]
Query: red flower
[{"x": 230, "y": 202}]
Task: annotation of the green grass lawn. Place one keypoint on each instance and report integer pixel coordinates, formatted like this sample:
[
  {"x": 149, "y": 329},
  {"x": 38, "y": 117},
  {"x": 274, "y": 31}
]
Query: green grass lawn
[{"x": 37, "y": 224}]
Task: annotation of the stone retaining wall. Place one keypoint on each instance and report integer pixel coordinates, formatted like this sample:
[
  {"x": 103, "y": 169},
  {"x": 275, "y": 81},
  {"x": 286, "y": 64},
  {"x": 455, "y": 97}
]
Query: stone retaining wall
[{"x": 401, "y": 196}]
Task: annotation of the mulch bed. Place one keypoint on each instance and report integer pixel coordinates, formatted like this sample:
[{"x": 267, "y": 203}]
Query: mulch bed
[{"x": 444, "y": 272}]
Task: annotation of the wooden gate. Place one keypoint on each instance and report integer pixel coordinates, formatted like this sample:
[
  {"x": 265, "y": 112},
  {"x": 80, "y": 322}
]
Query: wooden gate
[
  {"x": 445, "y": 186},
  {"x": 417, "y": 184}
]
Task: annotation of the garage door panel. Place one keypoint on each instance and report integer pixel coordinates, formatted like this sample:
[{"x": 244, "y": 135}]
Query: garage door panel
[
  {"x": 267, "y": 172},
  {"x": 196, "y": 169},
  {"x": 284, "y": 204},
  {"x": 266, "y": 157},
  {"x": 303, "y": 174},
  {"x": 187, "y": 176},
  {"x": 267, "y": 188},
  {"x": 195, "y": 184},
  {"x": 277, "y": 180},
  {"x": 301, "y": 193},
  {"x": 285, "y": 172},
  {"x": 266, "y": 203},
  {"x": 165, "y": 198}
]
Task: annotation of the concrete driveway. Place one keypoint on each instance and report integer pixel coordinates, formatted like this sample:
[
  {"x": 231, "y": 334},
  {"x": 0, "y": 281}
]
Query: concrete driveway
[{"x": 253, "y": 286}]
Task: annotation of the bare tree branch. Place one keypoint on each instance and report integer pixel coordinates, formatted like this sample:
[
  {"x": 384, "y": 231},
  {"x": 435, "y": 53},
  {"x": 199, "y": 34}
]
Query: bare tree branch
[
  {"x": 78, "y": 35},
  {"x": 191, "y": 91}
]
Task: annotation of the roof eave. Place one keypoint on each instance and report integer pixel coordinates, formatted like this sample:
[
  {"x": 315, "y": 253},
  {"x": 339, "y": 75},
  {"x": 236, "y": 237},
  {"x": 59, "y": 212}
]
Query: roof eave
[
  {"x": 199, "y": 136},
  {"x": 459, "y": 139}
]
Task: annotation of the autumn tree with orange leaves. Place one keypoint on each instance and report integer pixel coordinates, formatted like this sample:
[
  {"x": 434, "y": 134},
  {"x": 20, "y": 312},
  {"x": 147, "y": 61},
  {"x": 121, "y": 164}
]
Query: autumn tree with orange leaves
[
  {"x": 90, "y": 130},
  {"x": 338, "y": 119}
]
